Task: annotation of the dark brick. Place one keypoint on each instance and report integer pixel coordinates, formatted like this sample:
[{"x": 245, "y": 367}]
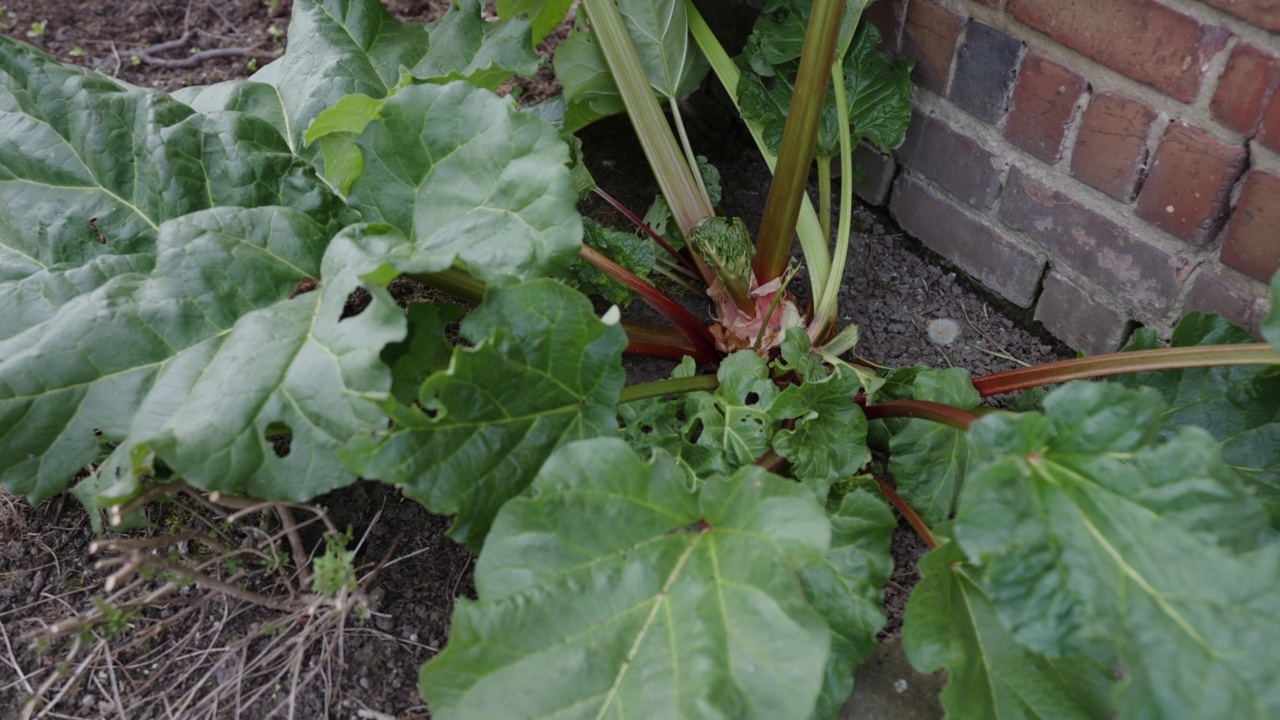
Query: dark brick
[
  {"x": 953, "y": 160},
  {"x": 985, "y": 68},
  {"x": 1081, "y": 319},
  {"x": 1253, "y": 237},
  {"x": 875, "y": 172},
  {"x": 981, "y": 251},
  {"x": 1111, "y": 148},
  {"x": 1044, "y": 101},
  {"x": 1189, "y": 183},
  {"x": 1250, "y": 79},
  {"x": 929, "y": 38},
  {"x": 1094, "y": 245},
  {"x": 1211, "y": 293},
  {"x": 1269, "y": 130},
  {"x": 1263, "y": 13},
  {"x": 1143, "y": 39},
  {"x": 887, "y": 16}
]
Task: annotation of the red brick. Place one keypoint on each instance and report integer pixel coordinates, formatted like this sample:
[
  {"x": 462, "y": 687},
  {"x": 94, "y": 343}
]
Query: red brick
[
  {"x": 1094, "y": 245},
  {"x": 1044, "y": 100},
  {"x": 930, "y": 39},
  {"x": 1142, "y": 39},
  {"x": 1111, "y": 148},
  {"x": 1190, "y": 182},
  {"x": 1253, "y": 237},
  {"x": 887, "y": 16},
  {"x": 1248, "y": 83},
  {"x": 1269, "y": 129},
  {"x": 979, "y": 250},
  {"x": 1263, "y": 13},
  {"x": 953, "y": 160},
  {"x": 1211, "y": 293},
  {"x": 1080, "y": 319}
]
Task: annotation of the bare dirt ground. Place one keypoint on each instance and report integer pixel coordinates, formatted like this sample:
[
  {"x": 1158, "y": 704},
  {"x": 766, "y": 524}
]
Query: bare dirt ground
[{"x": 204, "y": 614}]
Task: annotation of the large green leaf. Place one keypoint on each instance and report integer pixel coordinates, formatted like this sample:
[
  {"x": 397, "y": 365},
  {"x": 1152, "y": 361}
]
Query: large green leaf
[
  {"x": 589, "y": 90},
  {"x": 544, "y": 371},
  {"x": 928, "y": 459},
  {"x": 1089, "y": 534},
  {"x": 846, "y": 588},
  {"x": 90, "y": 168},
  {"x": 877, "y": 92},
  {"x": 614, "y": 590},
  {"x": 950, "y": 623},
  {"x": 471, "y": 181},
  {"x": 1239, "y": 405},
  {"x": 124, "y": 358}
]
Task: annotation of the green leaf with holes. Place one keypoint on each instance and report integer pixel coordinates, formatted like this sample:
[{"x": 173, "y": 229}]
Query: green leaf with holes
[
  {"x": 613, "y": 589},
  {"x": 543, "y": 371}
]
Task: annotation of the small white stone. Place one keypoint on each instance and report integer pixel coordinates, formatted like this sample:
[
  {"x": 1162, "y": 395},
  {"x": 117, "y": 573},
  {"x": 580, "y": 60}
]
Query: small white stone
[{"x": 900, "y": 685}]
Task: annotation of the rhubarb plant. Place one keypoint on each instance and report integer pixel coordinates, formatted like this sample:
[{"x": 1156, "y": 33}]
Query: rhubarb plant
[{"x": 198, "y": 290}]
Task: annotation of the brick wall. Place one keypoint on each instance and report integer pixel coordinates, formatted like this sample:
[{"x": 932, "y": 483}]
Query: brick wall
[{"x": 1109, "y": 163}]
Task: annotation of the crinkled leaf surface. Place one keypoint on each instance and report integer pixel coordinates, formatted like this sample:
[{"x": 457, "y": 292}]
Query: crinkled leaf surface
[
  {"x": 1088, "y": 533},
  {"x": 471, "y": 181},
  {"x": 629, "y": 250},
  {"x": 544, "y": 371},
  {"x": 124, "y": 358},
  {"x": 845, "y": 588},
  {"x": 877, "y": 91},
  {"x": 90, "y": 168},
  {"x": 829, "y": 439},
  {"x": 1238, "y": 405},
  {"x": 928, "y": 459},
  {"x": 615, "y": 590},
  {"x": 466, "y": 47},
  {"x": 950, "y": 623}
]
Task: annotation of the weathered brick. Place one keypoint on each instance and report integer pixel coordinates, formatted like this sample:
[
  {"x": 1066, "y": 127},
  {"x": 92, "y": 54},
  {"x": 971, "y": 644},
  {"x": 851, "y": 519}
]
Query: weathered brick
[
  {"x": 1044, "y": 101},
  {"x": 1094, "y": 245},
  {"x": 1111, "y": 148},
  {"x": 1269, "y": 129},
  {"x": 981, "y": 251},
  {"x": 985, "y": 68},
  {"x": 1190, "y": 182},
  {"x": 1143, "y": 39},
  {"x": 875, "y": 172},
  {"x": 1263, "y": 13},
  {"x": 1253, "y": 237},
  {"x": 929, "y": 38},
  {"x": 887, "y": 16},
  {"x": 1250, "y": 79},
  {"x": 1211, "y": 293},
  {"x": 953, "y": 160},
  {"x": 1080, "y": 319}
]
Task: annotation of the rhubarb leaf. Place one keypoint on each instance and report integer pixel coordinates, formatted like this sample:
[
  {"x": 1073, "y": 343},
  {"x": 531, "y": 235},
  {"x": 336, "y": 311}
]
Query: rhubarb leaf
[
  {"x": 1089, "y": 534},
  {"x": 877, "y": 91},
  {"x": 613, "y": 589},
  {"x": 928, "y": 459},
  {"x": 544, "y": 15},
  {"x": 464, "y": 46},
  {"x": 828, "y": 440},
  {"x": 845, "y": 586},
  {"x": 589, "y": 90},
  {"x": 951, "y": 623},
  {"x": 471, "y": 181},
  {"x": 1238, "y": 405},
  {"x": 660, "y": 31},
  {"x": 543, "y": 371}
]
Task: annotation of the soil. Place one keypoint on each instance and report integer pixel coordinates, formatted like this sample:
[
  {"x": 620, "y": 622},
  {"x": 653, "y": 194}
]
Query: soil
[{"x": 165, "y": 647}]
